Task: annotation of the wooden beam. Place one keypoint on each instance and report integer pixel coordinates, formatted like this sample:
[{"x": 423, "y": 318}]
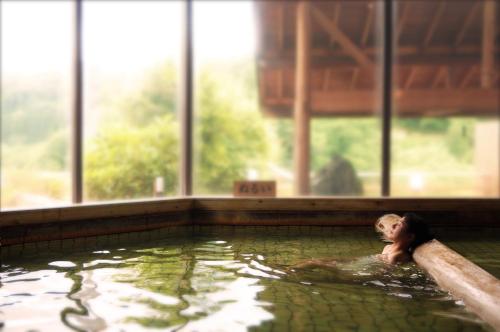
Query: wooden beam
[
  {"x": 342, "y": 38},
  {"x": 468, "y": 76},
  {"x": 188, "y": 211},
  {"x": 302, "y": 100},
  {"x": 326, "y": 79},
  {"x": 434, "y": 22},
  {"x": 447, "y": 78},
  {"x": 355, "y": 76},
  {"x": 280, "y": 82},
  {"x": 438, "y": 52},
  {"x": 415, "y": 102},
  {"x": 338, "y": 8},
  {"x": 367, "y": 27},
  {"x": 281, "y": 25},
  {"x": 401, "y": 21},
  {"x": 466, "y": 24},
  {"x": 336, "y": 16},
  {"x": 442, "y": 74},
  {"x": 410, "y": 78},
  {"x": 488, "y": 52},
  {"x": 331, "y": 61}
]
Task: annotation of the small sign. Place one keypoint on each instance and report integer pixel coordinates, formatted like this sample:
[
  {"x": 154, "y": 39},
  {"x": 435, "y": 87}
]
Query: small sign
[{"x": 254, "y": 189}]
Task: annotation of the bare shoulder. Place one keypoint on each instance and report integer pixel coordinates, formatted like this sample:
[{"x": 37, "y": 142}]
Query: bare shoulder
[
  {"x": 386, "y": 249},
  {"x": 399, "y": 257}
]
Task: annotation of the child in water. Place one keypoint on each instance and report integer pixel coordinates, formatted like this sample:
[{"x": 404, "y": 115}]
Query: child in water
[{"x": 406, "y": 234}]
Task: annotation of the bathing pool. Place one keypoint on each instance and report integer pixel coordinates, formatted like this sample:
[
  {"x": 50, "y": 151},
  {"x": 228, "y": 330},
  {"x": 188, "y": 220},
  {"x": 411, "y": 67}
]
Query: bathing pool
[{"x": 224, "y": 278}]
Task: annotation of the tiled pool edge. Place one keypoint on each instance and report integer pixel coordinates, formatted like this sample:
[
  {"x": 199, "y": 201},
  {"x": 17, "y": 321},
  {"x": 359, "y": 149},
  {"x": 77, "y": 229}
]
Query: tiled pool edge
[
  {"x": 91, "y": 220},
  {"x": 98, "y": 242}
]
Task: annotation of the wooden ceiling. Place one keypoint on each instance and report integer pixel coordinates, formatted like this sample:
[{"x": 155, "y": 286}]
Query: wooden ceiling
[{"x": 446, "y": 59}]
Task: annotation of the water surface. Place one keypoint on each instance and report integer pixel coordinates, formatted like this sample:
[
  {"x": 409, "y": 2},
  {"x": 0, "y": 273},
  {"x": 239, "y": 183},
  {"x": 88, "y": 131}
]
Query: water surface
[{"x": 233, "y": 279}]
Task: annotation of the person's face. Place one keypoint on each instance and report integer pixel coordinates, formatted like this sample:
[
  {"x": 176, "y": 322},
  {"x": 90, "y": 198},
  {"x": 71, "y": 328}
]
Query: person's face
[
  {"x": 398, "y": 231},
  {"x": 385, "y": 225}
]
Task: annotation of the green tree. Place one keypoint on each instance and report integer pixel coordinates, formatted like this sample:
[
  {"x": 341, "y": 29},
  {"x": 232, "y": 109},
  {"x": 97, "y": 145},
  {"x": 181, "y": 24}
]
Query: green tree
[
  {"x": 230, "y": 137},
  {"x": 32, "y": 110},
  {"x": 354, "y": 139},
  {"x": 123, "y": 161},
  {"x": 460, "y": 138},
  {"x": 142, "y": 144},
  {"x": 156, "y": 97},
  {"x": 424, "y": 124}
]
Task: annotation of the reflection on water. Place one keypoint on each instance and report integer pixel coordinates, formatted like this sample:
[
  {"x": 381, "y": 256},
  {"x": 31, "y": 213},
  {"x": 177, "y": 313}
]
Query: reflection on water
[
  {"x": 227, "y": 283},
  {"x": 33, "y": 299}
]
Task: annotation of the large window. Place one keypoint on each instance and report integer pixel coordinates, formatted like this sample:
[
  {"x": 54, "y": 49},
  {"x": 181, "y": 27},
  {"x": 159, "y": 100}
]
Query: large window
[
  {"x": 446, "y": 99},
  {"x": 246, "y": 89},
  {"x": 36, "y": 66},
  {"x": 131, "y": 68},
  {"x": 346, "y": 101},
  {"x": 232, "y": 139},
  {"x": 291, "y": 91}
]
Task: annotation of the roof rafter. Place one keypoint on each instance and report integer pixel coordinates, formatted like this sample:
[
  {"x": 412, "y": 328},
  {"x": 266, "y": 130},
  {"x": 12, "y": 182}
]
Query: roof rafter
[
  {"x": 402, "y": 21},
  {"x": 468, "y": 20},
  {"x": 442, "y": 75},
  {"x": 355, "y": 76},
  {"x": 410, "y": 78},
  {"x": 336, "y": 16},
  {"x": 468, "y": 76},
  {"x": 281, "y": 25},
  {"x": 367, "y": 27},
  {"x": 347, "y": 44},
  {"x": 280, "y": 82},
  {"x": 326, "y": 79},
  {"x": 434, "y": 22}
]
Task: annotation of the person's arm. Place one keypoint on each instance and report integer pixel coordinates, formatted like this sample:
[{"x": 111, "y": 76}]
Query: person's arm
[{"x": 312, "y": 263}]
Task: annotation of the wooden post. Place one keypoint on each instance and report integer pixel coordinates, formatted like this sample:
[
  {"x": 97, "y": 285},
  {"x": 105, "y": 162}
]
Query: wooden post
[
  {"x": 488, "y": 56},
  {"x": 302, "y": 99}
]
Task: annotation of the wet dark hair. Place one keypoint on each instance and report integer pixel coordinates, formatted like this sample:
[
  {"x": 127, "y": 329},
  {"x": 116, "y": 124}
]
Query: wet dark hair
[{"x": 417, "y": 226}]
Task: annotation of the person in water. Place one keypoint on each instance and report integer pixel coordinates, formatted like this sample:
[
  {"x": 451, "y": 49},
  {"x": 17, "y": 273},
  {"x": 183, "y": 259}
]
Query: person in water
[{"x": 406, "y": 234}]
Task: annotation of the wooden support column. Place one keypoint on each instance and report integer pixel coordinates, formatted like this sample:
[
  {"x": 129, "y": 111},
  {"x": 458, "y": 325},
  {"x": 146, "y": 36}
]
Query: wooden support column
[
  {"x": 488, "y": 56},
  {"x": 302, "y": 100}
]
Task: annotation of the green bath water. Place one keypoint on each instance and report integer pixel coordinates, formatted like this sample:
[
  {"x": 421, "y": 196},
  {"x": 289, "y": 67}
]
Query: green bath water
[{"x": 232, "y": 279}]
